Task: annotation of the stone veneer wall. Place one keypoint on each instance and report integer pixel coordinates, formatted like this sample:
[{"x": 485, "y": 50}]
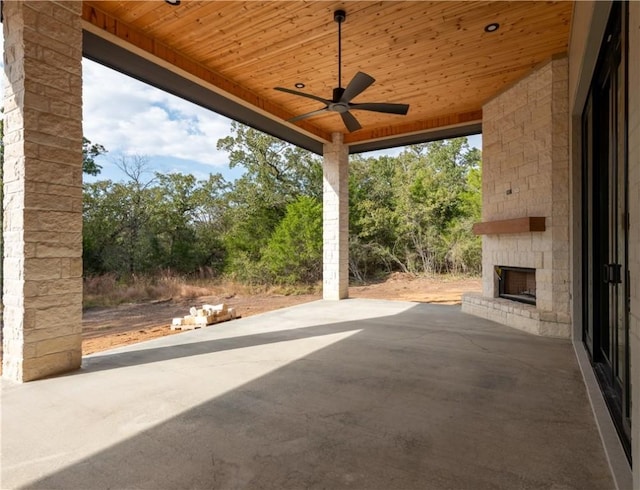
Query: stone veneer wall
[
  {"x": 526, "y": 173},
  {"x": 42, "y": 225}
]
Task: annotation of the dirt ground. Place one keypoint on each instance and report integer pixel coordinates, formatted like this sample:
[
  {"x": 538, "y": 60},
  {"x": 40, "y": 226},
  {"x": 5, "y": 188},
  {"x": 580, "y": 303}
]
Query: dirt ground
[{"x": 105, "y": 328}]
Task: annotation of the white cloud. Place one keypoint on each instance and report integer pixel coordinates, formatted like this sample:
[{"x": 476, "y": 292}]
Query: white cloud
[{"x": 128, "y": 116}]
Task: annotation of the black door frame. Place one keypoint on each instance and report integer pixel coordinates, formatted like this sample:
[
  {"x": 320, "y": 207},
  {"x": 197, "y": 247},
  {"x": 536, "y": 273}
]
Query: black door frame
[{"x": 604, "y": 175}]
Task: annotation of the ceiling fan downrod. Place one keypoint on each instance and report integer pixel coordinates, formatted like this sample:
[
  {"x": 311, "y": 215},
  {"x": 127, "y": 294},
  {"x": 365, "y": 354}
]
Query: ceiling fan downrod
[{"x": 339, "y": 16}]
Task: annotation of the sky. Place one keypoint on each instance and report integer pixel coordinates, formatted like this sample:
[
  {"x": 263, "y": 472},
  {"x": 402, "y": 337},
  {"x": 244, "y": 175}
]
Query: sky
[{"x": 128, "y": 117}]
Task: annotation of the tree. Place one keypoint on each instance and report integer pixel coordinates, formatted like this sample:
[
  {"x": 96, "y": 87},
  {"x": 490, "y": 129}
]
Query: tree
[
  {"x": 465, "y": 249},
  {"x": 411, "y": 213},
  {"x": 432, "y": 201},
  {"x": 143, "y": 225},
  {"x": 372, "y": 215},
  {"x": 211, "y": 221},
  {"x": 118, "y": 234},
  {"x": 90, "y": 151},
  {"x": 294, "y": 252},
  {"x": 279, "y": 171},
  {"x": 276, "y": 174},
  {"x": 189, "y": 222},
  {"x": 137, "y": 211},
  {"x": 102, "y": 250},
  {"x": 414, "y": 212}
]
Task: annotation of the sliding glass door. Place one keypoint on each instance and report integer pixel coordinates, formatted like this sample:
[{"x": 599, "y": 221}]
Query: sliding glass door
[{"x": 605, "y": 225}]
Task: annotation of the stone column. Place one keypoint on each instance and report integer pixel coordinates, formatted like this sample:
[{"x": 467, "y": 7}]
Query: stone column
[
  {"x": 335, "y": 225},
  {"x": 42, "y": 221}
]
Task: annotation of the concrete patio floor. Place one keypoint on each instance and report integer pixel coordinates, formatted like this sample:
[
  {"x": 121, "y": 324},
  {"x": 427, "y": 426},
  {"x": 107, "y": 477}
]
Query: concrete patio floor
[{"x": 353, "y": 394}]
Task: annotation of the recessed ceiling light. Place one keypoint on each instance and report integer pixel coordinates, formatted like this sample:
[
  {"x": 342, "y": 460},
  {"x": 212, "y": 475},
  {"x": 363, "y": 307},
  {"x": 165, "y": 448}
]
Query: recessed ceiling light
[
  {"x": 173, "y": 2},
  {"x": 299, "y": 85},
  {"x": 493, "y": 27}
]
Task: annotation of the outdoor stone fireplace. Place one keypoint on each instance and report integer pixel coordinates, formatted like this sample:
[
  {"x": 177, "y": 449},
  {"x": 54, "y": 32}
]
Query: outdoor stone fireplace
[
  {"x": 517, "y": 284},
  {"x": 525, "y": 215}
]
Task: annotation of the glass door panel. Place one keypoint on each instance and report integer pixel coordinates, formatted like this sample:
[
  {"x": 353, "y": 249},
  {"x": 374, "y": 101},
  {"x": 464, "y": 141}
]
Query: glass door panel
[{"x": 605, "y": 225}]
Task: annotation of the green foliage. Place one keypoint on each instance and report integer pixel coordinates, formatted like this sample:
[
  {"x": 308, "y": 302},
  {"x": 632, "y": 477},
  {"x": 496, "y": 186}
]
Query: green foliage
[
  {"x": 276, "y": 174},
  {"x": 411, "y": 213},
  {"x": 276, "y": 171},
  {"x": 372, "y": 216},
  {"x": 90, "y": 151},
  {"x": 414, "y": 212},
  {"x": 144, "y": 224},
  {"x": 294, "y": 251}
]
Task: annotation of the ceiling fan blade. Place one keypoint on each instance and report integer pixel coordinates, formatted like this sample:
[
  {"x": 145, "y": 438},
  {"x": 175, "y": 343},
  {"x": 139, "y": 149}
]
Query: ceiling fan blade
[
  {"x": 357, "y": 85},
  {"x": 308, "y": 114},
  {"x": 302, "y": 94},
  {"x": 350, "y": 122},
  {"x": 382, "y": 107}
]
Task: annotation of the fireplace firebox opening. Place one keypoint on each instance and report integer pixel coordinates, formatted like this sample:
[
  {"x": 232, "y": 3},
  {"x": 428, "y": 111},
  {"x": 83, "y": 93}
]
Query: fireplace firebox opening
[{"x": 517, "y": 284}]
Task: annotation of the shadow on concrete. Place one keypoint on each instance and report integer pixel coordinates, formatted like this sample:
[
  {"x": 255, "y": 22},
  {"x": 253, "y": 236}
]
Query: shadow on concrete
[
  {"x": 428, "y": 398},
  {"x": 157, "y": 354}
]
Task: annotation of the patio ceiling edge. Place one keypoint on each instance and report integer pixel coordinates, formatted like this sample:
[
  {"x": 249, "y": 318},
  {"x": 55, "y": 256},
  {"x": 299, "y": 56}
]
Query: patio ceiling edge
[
  {"x": 101, "y": 50},
  {"x": 99, "y": 47}
]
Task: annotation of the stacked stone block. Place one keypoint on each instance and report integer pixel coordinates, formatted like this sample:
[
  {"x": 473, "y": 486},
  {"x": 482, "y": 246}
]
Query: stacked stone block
[
  {"x": 526, "y": 173},
  {"x": 42, "y": 222},
  {"x": 335, "y": 223}
]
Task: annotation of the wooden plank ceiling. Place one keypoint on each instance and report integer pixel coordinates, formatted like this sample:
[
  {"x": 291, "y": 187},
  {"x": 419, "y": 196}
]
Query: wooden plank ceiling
[{"x": 435, "y": 56}]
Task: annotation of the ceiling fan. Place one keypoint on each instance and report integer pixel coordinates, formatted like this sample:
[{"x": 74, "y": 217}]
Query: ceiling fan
[{"x": 342, "y": 97}]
